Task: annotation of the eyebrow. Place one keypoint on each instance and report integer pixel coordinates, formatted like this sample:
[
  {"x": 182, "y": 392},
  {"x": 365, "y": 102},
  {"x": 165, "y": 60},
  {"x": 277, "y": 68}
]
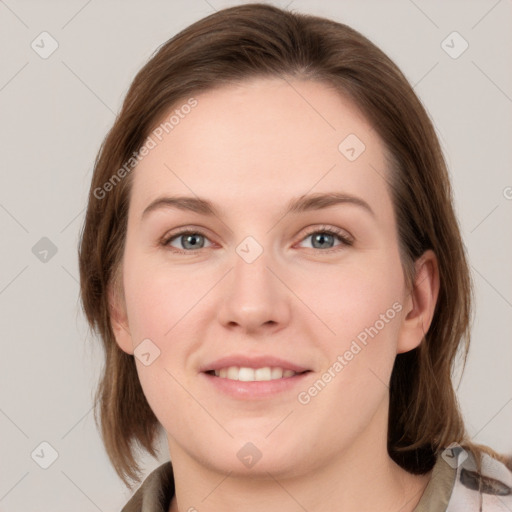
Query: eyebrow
[{"x": 301, "y": 204}]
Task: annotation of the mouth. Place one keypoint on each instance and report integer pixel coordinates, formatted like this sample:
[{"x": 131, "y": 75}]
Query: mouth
[
  {"x": 255, "y": 378},
  {"x": 246, "y": 374}
]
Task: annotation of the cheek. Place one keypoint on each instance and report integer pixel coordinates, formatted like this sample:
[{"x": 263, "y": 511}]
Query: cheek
[
  {"x": 356, "y": 297},
  {"x": 161, "y": 302},
  {"x": 362, "y": 305},
  {"x": 160, "y": 298}
]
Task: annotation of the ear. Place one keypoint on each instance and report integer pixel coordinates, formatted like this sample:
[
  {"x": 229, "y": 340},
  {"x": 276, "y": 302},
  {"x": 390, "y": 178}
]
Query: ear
[
  {"x": 119, "y": 319},
  {"x": 419, "y": 306}
]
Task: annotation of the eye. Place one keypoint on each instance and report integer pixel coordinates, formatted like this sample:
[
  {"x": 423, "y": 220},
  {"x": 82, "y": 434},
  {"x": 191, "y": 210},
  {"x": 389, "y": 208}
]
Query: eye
[
  {"x": 188, "y": 240},
  {"x": 324, "y": 237}
]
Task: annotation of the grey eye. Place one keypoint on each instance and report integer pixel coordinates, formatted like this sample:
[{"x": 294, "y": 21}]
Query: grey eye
[
  {"x": 188, "y": 241},
  {"x": 322, "y": 240}
]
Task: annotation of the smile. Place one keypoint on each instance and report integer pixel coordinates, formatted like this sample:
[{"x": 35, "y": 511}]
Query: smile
[{"x": 252, "y": 374}]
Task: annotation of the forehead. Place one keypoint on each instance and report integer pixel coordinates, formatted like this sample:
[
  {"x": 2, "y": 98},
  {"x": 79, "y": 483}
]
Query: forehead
[{"x": 262, "y": 139}]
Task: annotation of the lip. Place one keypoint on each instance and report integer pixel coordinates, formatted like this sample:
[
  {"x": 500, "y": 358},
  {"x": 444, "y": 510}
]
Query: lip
[
  {"x": 260, "y": 361},
  {"x": 254, "y": 390}
]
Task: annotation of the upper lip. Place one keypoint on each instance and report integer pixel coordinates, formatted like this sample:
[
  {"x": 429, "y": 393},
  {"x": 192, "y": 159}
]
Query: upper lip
[{"x": 245, "y": 361}]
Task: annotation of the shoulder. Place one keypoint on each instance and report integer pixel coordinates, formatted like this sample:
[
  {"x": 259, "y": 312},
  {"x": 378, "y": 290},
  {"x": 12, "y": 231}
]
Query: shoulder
[
  {"x": 489, "y": 490},
  {"x": 155, "y": 492}
]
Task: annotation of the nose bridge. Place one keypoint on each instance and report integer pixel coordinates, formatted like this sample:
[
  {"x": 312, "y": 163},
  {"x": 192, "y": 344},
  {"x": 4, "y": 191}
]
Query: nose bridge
[
  {"x": 253, "y": 295},
  {"x": 250, "y": 267}
]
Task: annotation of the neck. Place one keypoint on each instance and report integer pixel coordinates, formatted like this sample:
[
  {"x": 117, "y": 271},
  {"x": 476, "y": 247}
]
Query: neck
[{"x": 359, "y": 477}]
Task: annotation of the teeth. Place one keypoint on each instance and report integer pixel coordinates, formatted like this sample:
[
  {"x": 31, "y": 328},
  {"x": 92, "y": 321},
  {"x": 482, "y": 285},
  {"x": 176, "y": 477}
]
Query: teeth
[
  {"x": 277, "y": 373},
  {"x": 246, "y": 374},
  {"x": 263, "y": 373},
  {"x": 232, "y": 373},
  {"x": 253, "y": 374}
]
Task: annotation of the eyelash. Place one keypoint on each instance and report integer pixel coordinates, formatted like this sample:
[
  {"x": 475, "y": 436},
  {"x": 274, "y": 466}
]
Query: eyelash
[{"x": 330, "y": 230}]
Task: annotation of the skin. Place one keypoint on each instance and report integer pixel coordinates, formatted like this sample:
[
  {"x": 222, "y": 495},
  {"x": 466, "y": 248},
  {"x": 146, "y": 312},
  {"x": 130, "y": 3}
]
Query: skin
[{"x": 249, "y": 149}]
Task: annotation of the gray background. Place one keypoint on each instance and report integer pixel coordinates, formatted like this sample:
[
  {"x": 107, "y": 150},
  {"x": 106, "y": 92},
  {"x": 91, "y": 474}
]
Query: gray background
[{"x": 54, "y": 115}]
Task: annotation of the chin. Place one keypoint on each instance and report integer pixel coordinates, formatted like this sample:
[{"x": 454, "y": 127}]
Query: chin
[{"x": 257, "y": 455}]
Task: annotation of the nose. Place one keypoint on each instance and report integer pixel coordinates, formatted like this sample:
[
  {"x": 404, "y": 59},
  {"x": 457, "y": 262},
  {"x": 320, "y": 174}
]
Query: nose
[{"x": 253, "y": 297}]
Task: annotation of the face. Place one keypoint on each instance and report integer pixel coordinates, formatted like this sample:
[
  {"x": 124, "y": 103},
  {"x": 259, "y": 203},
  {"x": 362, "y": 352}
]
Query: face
[{"x": 290, "y": 271}]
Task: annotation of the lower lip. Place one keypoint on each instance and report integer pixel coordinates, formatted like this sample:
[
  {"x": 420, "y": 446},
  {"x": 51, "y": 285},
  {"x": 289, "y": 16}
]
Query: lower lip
[{"x": 255, "y": 389}]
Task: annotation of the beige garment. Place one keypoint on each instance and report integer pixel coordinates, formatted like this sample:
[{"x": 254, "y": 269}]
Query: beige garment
[
  {"x": 437, "y": 494},
  {"x": 155, "y": 493}
]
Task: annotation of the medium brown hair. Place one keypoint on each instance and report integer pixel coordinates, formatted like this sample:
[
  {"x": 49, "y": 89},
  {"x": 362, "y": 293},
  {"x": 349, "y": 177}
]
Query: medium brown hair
[{"x": 258, "y": 40}]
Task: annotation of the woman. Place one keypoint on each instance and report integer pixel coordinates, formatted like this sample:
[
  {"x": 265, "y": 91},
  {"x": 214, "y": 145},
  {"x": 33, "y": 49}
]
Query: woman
[{"x": 271, "y": 258}]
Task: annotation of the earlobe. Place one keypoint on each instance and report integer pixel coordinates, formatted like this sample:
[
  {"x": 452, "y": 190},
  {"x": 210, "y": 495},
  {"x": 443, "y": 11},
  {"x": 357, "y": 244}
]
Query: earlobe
[
  {"x": 421, "y": 303},
  {"x": 119, "y": 320}
]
